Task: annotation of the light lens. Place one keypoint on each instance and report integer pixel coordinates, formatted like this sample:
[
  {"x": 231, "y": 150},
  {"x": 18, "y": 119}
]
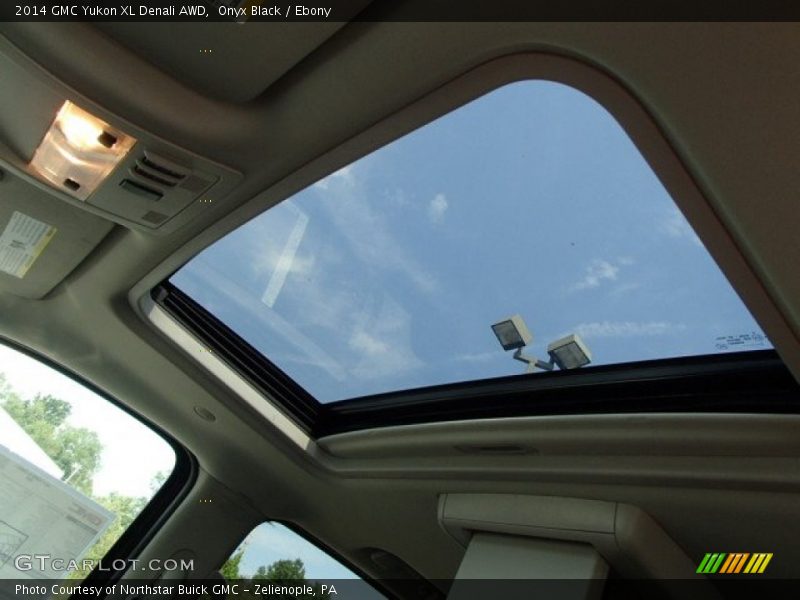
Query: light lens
[
  {"x": 512, "y": 333},
  {"x": 79, "y": 151},
  {"x": 79, "y": 131},
  {"x": 570, "y": 352}
]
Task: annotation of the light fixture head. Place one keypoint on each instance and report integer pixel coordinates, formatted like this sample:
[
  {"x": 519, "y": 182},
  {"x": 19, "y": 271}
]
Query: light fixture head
[
  {"x": 570, "y": 352},
  {"x": 512, "y": 333},
  {"x": 79, "y": 151}
]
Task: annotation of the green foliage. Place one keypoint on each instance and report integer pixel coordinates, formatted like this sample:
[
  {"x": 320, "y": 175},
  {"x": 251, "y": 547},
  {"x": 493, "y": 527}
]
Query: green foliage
[
  {"x": 230, "y": 570},
  {"x": 126, "y": 508},
  {"x": 78, "y": 456},
  {"x": 7, "y": 393},
  {"x": 158, "y": 480},
  {"x": 284, "y": 572},
  {"x": 76, "y": 450}
]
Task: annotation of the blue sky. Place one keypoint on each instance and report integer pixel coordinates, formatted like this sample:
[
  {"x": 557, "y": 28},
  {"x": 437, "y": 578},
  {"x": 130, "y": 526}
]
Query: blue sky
[
  {"x": 271, "y": 542},
  {"x": 388, "y": 274}
]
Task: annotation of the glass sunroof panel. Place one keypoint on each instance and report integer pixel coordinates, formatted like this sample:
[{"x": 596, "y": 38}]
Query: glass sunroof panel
[{"x": 389, "y": 274}]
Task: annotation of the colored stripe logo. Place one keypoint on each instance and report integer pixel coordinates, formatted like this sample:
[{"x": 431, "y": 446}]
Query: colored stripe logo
[{"x": 734, "y": 563}]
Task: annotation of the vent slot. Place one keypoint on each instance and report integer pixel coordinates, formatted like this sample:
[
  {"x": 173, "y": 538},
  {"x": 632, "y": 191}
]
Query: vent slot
[
  {"x": 140, "y": 190},
  {"x": 158, "y": 188},
  {"x": 149, "y": 161},
  {"x": 141, "y": 172}
]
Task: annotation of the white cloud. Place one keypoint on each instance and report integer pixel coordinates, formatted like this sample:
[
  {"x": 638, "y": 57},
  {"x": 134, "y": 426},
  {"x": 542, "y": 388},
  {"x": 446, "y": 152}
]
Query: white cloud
[
  {"x": 676, "y": 226},
  {"x": 382, "y": 342},
  {"x": 624, "y": 289},
  {"x": 396, "y": 198},
  {"x": 437, "y": 208},
  {"x": 597, "y": 272},
  {"x": 364, "y": 343},
  {"x": 626, "y": 329},
  {"x": 343, "y": 175},
  {"x": 367, "y": 232},
  {"x": 368, "y": 333},
  {"x": 480, "y": 357},
  {"x": 232, "y": 294},
  {"x": 275, "y": 245}
]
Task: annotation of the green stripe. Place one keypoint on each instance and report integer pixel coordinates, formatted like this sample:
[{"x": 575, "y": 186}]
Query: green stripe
[
  {"x": 701, "y": 568},
  {"x": 711, "y": 562},
  {"x": 717, "y": 564}
]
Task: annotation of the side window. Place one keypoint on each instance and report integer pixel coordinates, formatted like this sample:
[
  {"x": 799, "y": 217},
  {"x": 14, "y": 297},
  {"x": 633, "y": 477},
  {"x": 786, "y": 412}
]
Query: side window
[
  {"x": 75, "y": 471},
  {"x": 274, "y": 560}
]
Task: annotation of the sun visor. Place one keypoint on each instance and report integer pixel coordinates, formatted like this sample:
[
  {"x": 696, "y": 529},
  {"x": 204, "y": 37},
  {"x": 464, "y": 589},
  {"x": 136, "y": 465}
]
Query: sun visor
[{"x": 41, "y": 238}]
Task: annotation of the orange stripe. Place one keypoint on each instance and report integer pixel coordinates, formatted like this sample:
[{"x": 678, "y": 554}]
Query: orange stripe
[
  {"x": 740, "y": 564},
  {"x": 735, "y": 556},
  {"x": 724, "y": 567}
]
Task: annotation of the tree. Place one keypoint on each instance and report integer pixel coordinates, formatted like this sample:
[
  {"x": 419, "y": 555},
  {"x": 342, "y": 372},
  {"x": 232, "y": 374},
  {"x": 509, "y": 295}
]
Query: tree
[
  {"x": 282, "y": 572},
  {"x": 76, "y": 450},
  {"x": 157, "y": 481},
  {"x": 230, "y": 570},
  {"x": 291, "y": 573},
  {"x": 40, "y": 418},
  {"x": 126, "y": 509},
  {"x": 78, "y": 456}
]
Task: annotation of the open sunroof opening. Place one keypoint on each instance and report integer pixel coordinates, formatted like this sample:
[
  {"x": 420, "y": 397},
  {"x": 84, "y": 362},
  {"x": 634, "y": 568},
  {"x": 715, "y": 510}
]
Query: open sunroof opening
[{"x": 389, "y": 274}]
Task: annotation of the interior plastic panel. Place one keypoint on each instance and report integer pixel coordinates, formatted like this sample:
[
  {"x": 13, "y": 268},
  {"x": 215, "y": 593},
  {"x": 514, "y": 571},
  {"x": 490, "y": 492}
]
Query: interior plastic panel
[
  {"x": 530, "y": 564},
  {"x": 625, "y": 536}
]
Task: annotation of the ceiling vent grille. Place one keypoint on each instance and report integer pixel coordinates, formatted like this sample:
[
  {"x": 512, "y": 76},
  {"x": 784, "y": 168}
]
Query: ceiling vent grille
[
  {"x": 150, "y": 190},
  {"x": 159, "y": 171}
]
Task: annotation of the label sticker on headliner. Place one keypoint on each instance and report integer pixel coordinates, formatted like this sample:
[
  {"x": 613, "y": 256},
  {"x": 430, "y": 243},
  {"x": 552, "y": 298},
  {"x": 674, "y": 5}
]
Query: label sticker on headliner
[{"x": 23, "y": 240}]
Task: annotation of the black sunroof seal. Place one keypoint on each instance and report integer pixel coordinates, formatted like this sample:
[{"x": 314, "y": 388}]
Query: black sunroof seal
[{"x": 742, "y": 382}]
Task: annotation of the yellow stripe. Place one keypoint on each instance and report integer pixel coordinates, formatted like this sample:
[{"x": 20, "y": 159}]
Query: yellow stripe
[
  {"x": 753, "y": 564},
  {"x": 724, "y": 567},
  {"x": 740, "y": 564},
  {"x": 765, "y": 563}
]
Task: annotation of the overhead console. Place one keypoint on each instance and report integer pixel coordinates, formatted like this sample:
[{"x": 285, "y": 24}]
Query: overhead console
[
  {"x": 535, "y": 541},
  {"x": 60, "y": 142}
]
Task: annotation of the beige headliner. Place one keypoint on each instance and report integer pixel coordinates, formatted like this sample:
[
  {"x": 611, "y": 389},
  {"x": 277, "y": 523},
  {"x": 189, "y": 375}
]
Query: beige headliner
[{"x": 724, "y": 96}]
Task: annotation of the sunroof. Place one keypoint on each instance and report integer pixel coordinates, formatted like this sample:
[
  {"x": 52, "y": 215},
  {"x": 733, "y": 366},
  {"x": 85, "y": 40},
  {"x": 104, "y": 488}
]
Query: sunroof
[{"x": 389, "y": 274}]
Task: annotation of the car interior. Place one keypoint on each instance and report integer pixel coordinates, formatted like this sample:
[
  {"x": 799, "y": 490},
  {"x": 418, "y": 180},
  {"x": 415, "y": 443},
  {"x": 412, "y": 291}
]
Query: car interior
[{"x": 300, "y": 253}]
